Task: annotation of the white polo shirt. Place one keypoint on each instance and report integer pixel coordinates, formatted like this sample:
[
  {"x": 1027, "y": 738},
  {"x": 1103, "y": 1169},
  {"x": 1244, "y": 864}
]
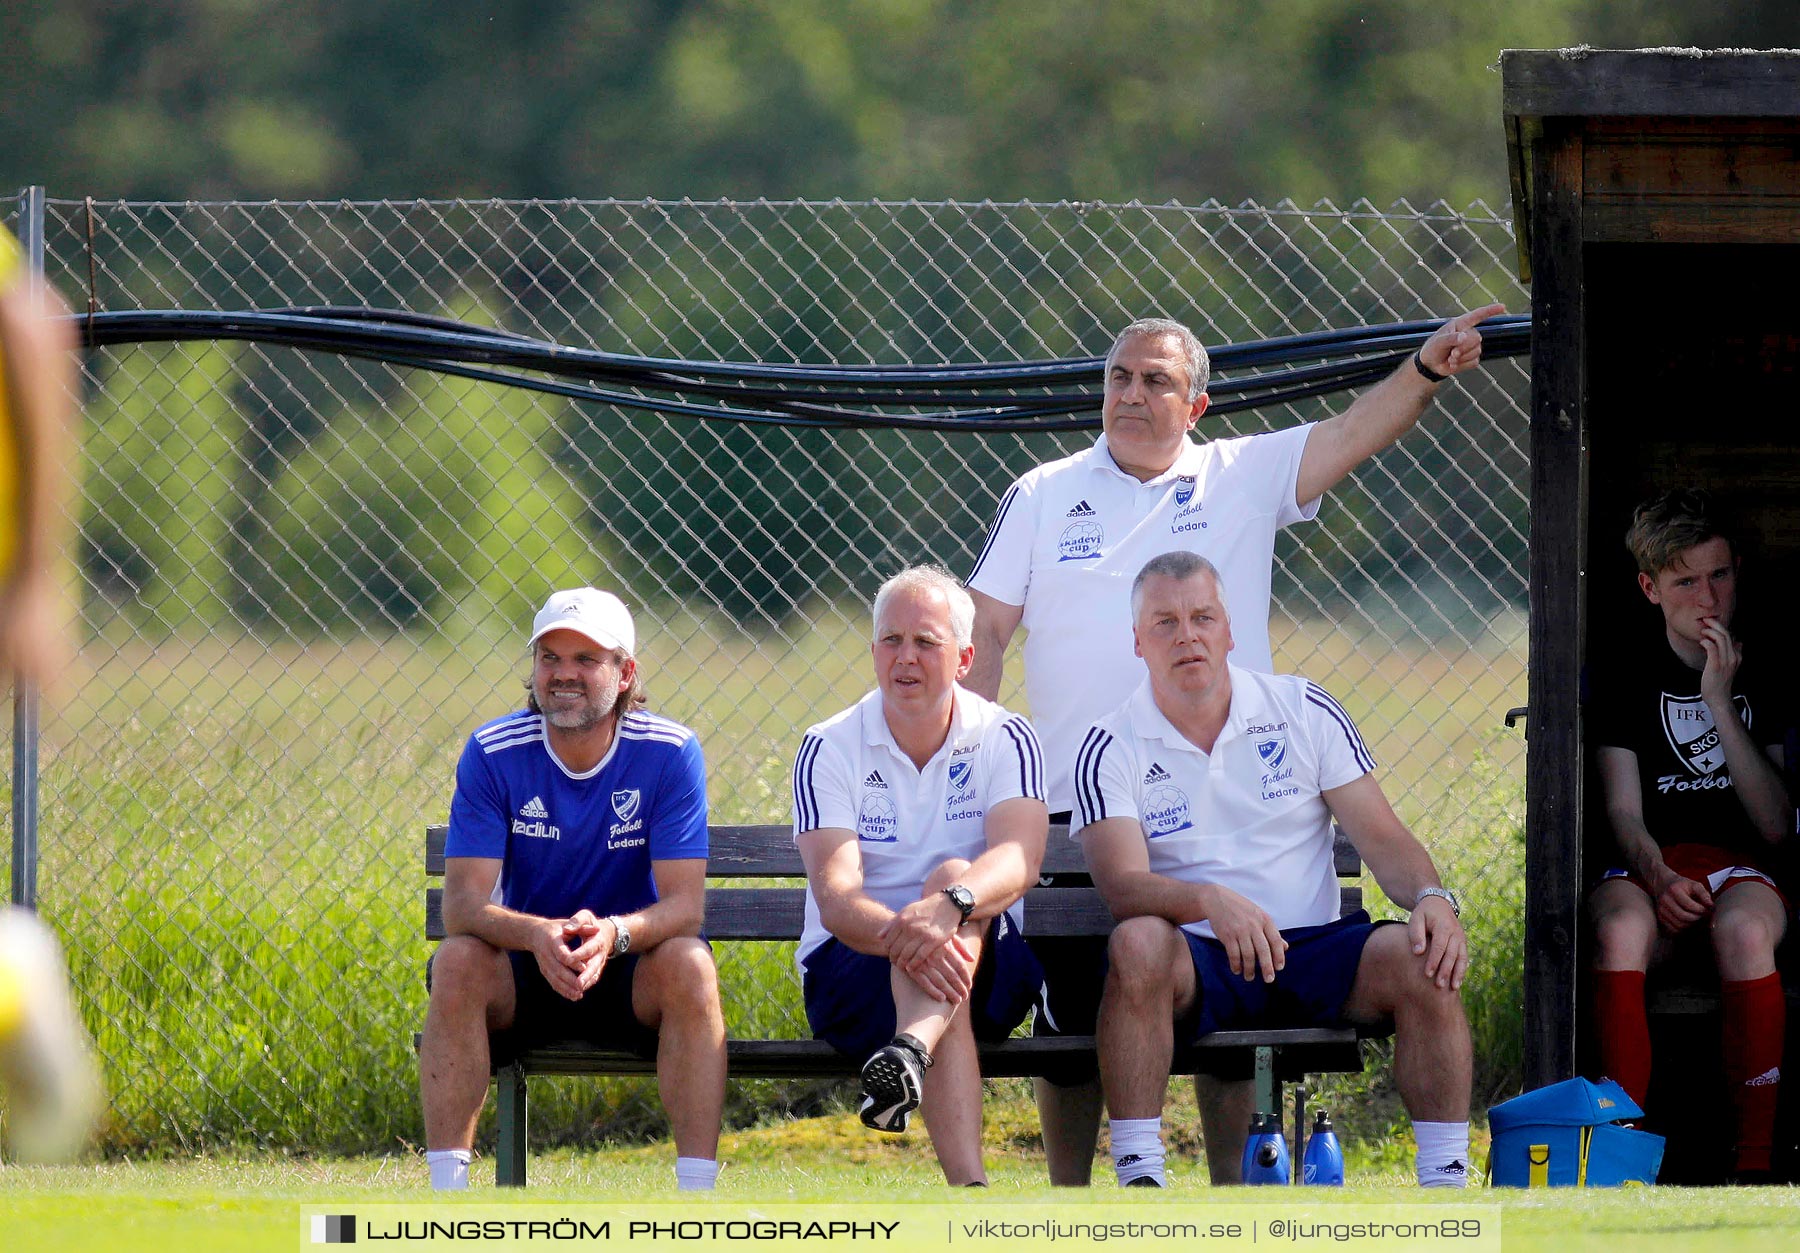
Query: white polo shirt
[
  {"x": 1070, "y": 536},
  {"x": 851, "y": 775},
  {"x": 1248, "y": 815}
]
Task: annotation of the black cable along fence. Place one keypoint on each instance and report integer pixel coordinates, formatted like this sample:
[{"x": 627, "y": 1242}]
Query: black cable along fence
[{"x": 306, "y": 572}]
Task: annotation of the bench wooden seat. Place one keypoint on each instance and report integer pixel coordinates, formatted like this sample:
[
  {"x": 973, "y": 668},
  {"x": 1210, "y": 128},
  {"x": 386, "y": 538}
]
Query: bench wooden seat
[{"x": 1069, "y": 906}]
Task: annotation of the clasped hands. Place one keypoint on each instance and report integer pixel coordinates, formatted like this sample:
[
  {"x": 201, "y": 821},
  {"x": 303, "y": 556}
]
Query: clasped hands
[
  {"x": 571, "y": 952},
  {"x": 925, "y": 941}
]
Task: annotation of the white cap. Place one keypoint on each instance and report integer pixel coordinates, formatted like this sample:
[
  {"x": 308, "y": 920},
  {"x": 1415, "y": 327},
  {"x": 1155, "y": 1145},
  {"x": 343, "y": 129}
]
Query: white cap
[{"x": 600, "y": 616}]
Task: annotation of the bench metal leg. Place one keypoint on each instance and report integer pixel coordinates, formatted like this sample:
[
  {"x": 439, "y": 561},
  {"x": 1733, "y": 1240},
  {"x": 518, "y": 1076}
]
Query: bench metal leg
[
  {"x": 1299, "y": 1153},
  {"x": 1268, "y": 1087},
  {"x": 509, "y": 1153}
]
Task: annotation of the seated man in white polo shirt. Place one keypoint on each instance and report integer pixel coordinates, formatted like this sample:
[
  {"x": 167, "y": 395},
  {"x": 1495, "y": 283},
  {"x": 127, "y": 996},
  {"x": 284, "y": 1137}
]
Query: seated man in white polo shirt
[
  {"x": 1205, "y": 805},
  {"x": 919, "y": 812}
]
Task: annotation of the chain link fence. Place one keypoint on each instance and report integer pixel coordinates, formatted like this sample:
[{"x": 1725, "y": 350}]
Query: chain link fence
[{"x": 304, "y": 579}]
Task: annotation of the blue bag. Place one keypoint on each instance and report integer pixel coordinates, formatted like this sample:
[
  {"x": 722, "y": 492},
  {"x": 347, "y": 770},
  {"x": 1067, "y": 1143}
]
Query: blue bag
[{"x": 1563, "y": 1136}]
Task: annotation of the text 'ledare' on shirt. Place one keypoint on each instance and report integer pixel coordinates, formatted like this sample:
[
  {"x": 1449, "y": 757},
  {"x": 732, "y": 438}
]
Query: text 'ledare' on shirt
[
  {"x": 1249, "y": 815},
  {"x": 850, "y": 775},
  {"x": 579, "y": 841},
  {"x": 1070, "y": 536}
]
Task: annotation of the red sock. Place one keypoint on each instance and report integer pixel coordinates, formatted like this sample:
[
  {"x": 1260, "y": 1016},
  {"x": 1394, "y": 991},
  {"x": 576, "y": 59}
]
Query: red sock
[
  {"x": 1624, "y": 1030},
  {"x": 1755, "y": 1027}
]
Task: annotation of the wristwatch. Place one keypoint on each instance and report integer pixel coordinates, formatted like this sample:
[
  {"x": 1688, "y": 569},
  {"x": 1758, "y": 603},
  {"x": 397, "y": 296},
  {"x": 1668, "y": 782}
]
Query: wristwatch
[
  {"x": 1447, "y": 894},
  {"x": 622, "y": 934},
  {"x": 962, "y": 898}
]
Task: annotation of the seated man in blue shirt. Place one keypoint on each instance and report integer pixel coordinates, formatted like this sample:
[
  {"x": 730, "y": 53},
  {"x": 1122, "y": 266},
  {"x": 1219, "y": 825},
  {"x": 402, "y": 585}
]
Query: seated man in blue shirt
[{"x": 590, "y": 815}]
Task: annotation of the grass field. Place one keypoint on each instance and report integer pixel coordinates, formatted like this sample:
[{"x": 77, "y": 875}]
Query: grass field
[
  {"x": 231, "y": 845},
  {"x": 242, "y": 1203}
]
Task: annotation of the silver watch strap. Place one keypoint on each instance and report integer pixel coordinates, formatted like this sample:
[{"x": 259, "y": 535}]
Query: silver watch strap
[{"x": 1445, "y": 893}]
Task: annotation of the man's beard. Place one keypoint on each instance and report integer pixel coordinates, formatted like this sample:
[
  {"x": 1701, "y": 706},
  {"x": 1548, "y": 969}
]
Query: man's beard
[{"x": 581, "y": 716}]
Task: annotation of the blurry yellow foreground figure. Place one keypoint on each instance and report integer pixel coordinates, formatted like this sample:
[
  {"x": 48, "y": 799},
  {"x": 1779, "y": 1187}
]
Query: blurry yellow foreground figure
[
  {"x": 48, "y": 1082},
  {"x": 49, "y": 1090}
]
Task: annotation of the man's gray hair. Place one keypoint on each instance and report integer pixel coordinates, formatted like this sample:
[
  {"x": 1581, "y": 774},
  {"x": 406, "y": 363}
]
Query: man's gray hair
[
  {"x": 1179, "y": 564},
  {"x": 1199, "y": 366},
  {"x": 932, "y": 579}
]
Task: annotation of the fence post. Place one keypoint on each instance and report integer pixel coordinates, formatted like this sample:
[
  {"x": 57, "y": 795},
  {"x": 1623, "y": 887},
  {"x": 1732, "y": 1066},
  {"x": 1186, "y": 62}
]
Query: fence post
[{"x": 25, "y": 693}]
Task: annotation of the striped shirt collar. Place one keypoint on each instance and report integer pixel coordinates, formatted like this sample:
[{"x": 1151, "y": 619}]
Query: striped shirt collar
[
  {"x": 1187, "y": 462},
  {"x": 877, "y": 734},
  {"x": 1150, "y": 723}
]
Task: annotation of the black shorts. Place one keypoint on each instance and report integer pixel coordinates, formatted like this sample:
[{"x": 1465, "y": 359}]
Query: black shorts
[
  {"x": 603, "y": 1016},
  {"x": 1069, "y": 1004},
  {"x": 1074, "y": 976}
]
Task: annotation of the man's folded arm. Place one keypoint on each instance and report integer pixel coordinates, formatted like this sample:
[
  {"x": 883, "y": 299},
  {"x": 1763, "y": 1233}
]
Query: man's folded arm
[
  {"x": 834, "y": 871},
  {"x": 679, "y": 908},
  {"x": 1016, "y": 831},
  {"x": 1120, "y": 864},
  {"x": 469, "y": 907},
  {"x": 1394, "y": 855}
]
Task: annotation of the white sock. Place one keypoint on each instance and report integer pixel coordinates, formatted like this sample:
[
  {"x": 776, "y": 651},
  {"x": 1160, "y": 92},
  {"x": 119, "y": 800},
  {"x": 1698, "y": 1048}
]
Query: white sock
[
  {"x": 449, "y": 1168},
  {"x": 1137, "y": 1148},
  {"x": 1443, "y": 1160},
  {"x": 696, "y": 1174}
]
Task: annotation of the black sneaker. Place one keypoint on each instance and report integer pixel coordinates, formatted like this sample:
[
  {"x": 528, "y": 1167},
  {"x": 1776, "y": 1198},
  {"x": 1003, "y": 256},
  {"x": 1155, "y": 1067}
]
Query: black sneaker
[
  {"x": 893, "y": 1084},
  {"x": 1145, "y": 1181}
]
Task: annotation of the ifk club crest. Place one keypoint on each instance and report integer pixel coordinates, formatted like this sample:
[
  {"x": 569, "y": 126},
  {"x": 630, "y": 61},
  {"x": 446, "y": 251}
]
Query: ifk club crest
[
  {"x": 1688, "y": 723},
  {"x": 1273, "y": 753},
  {"x": 625, "y": 803},
  {"x": 960, "y": 774}
]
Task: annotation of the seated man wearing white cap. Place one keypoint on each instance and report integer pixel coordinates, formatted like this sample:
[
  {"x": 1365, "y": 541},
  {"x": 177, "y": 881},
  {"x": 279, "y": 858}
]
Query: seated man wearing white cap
[
  {"x": 919, "y": 812},
  {"x": 589, "y": 813}
]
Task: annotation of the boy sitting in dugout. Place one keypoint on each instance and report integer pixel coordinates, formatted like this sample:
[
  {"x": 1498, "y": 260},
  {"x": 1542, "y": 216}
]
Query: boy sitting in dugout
[{"x": 1688, "y": 725}]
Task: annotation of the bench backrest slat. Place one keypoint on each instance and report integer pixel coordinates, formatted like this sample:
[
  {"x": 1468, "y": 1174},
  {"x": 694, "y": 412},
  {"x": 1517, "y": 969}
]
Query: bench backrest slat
[
  {"x": 768, "y": 852},
  {"x": 779, "y": 913}
]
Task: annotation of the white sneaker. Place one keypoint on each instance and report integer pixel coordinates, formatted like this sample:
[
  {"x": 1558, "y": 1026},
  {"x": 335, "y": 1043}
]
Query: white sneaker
[{"x": 48, "y": 1080}]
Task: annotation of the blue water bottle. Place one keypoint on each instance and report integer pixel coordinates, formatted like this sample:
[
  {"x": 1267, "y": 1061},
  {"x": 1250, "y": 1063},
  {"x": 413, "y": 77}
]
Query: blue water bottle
[
  {"x": 1324, "y": 1163},
  {"x": 1249, "y": 1154},
  {"x": 1266, "y": 1155}
]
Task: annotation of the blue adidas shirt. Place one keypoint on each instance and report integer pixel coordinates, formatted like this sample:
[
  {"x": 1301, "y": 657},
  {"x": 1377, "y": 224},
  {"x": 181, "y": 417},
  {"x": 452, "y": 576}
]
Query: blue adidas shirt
[{"x": 572, "y": 841}]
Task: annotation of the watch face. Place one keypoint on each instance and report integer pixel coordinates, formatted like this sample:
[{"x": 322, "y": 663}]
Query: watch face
[{"x": 962, "y": 898}]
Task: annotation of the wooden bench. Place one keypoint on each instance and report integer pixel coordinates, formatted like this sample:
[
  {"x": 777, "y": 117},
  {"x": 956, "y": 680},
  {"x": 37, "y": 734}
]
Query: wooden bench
[{"x": 775, "y": 913}]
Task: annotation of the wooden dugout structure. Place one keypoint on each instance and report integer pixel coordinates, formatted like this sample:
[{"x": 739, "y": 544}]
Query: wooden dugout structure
[{"x": 1656, "y": 199}]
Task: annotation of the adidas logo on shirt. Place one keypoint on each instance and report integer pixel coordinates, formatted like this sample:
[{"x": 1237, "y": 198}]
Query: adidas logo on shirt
[
  {"x": 875, "y": 780},
  {"x": 1156, "y": 774},
  {"x": 531, "y": 821},
  {"x": 1768, "y": 1079},
  {"x": 1081, "y": 510}
]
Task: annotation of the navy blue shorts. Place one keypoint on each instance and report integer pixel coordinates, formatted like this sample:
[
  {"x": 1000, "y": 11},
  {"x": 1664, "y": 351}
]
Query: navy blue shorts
[
  {"x": 850, "y": 1003},
  {"x": 1310, "y": 991}
]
